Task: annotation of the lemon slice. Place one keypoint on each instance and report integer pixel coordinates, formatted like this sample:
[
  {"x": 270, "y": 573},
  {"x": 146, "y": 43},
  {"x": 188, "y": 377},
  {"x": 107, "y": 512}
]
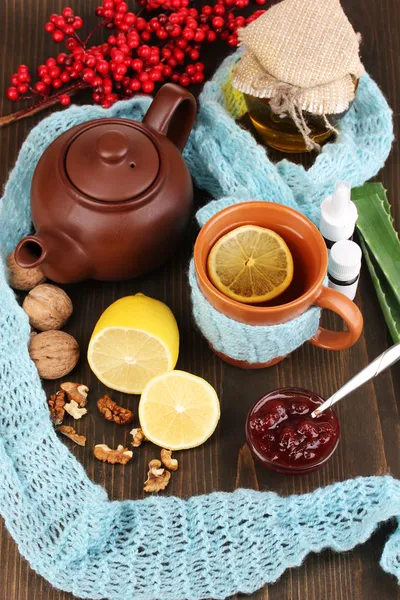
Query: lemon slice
[
  {"x": 178, "y": 410},
  {"x": 135, "y": 339},
  {"x": 251, "y": 264}
]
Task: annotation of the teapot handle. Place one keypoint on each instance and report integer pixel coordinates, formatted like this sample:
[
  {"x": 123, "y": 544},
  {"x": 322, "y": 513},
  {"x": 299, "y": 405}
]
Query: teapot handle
[{"x": 172, "y": 113}]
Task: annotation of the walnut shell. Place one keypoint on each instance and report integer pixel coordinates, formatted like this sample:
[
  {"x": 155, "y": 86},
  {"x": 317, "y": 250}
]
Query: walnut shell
[
  {"x": 23, "y": 279},
  {"x": 55, "y": 353},
  {"x": 48, "y": 307}
]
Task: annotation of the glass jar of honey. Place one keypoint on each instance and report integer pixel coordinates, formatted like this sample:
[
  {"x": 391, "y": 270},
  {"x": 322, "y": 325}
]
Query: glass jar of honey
[{"x": 280, "y": 132}]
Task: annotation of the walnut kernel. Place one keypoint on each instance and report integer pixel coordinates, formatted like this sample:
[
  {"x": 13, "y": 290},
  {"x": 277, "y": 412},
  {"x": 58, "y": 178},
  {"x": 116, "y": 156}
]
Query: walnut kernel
[
  {"x": 113, "y": 412},
  {"x": 55, "y": 353},
  {"x": 74, "y": 410},
  {"x": 48, "y": 307},
  {"x": 76, "y": 391},
  {"x": 56, "y": 404},
  {"x": 138, "y": 437},
  {"x": 167, "y": 460},
  {"x": 157, "y": 478},
  {"x": 70, "y": 433},
  {"x": 23, "y": 279},
  {"x": 121, "y": 455}
]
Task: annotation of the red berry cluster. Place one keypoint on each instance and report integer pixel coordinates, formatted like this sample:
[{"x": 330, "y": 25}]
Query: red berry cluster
[{"x": 139, "y": 52}]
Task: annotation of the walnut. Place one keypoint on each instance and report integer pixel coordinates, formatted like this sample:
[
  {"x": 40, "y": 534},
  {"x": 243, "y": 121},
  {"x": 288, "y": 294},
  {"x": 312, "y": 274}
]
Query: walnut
[
  {"x": 70, "y": 433},
  {"x": 54, "y": 353},
  {"x": 56, "y": 404},
  {"x": 23, "y": 279},
  {"x": 121, "y": 455},
  {"x": 113, "y": 412},
  {"x": 76, "y": 391},
  {"x": 73, "y": 409},
  {"x": 157, "y": 478},
  {"x": 138, "y": 437},
  {"x": 167, "y": 460},
  {"x": 48, "y": 307}
]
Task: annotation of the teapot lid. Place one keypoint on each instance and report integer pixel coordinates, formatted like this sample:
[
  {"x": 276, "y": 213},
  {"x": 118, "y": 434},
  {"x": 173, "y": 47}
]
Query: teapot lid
[{"x": 112, "y": 161}]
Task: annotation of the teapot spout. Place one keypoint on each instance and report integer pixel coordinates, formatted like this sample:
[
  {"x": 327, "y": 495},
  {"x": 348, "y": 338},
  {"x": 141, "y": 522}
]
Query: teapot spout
[
  {"x": 30, "y": 252},
  {"x": 62, "y": 259}
]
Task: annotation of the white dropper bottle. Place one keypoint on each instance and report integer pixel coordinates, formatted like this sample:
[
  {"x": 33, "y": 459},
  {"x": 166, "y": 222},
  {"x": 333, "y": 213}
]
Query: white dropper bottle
[{"x": 338, "y": 215}]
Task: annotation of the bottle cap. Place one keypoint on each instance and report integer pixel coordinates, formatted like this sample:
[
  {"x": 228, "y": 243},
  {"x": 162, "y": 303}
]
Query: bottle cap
[
  {"x": 338, "y": 214},
  {"x": 345, "y": 260}
]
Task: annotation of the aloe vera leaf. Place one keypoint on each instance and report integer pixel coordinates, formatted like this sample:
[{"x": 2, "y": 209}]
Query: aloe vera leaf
[
  {"x": 376, "y": 226},
  {"x": 387, "y": 299},
  {"x": 368, "y": 189}
]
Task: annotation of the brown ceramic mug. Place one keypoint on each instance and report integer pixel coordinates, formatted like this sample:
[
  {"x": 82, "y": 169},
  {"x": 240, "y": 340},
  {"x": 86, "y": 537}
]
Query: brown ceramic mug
[{"x": 310, "y": 258}]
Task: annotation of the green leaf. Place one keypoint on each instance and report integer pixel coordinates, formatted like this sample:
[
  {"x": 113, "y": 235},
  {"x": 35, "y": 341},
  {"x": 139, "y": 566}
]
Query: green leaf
[
  {"x": 387, "y": 299},
  {"x": 375, "y": 224}
]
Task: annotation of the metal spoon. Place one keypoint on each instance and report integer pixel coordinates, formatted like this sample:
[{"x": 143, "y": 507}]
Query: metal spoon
[{"x": 382, "y": 362}]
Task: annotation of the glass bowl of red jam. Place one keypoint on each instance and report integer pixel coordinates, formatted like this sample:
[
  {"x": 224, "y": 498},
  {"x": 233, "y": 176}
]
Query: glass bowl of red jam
[{"x": 284, "y": 437}]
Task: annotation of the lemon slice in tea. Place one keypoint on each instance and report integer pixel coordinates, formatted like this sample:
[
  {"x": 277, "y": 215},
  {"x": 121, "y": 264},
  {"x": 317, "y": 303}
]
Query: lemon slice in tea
[{"x": 251, "y": 264}]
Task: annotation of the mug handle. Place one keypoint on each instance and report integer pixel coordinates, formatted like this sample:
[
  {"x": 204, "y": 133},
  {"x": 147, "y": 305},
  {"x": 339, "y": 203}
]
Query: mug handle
[{"x": 350, "y": 313}]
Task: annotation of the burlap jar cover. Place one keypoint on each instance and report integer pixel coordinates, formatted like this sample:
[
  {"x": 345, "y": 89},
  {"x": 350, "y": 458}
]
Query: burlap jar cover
[{"x": 304, "y": 56}]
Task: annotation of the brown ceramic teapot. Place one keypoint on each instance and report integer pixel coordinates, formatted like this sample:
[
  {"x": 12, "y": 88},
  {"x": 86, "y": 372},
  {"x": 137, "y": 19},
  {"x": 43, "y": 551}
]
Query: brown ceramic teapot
[{"x": 111, "y": 198}]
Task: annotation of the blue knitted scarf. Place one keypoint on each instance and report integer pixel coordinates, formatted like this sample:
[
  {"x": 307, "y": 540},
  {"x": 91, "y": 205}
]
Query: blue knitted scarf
[{"x": 164, "y": 547}]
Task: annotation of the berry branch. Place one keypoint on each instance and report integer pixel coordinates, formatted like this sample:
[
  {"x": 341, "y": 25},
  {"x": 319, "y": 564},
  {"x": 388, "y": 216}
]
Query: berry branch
[{"x": 139, "y": 52}]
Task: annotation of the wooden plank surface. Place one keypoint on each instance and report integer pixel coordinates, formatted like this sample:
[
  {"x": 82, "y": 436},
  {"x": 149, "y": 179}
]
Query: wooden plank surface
[{"x": 369, "y": 420}]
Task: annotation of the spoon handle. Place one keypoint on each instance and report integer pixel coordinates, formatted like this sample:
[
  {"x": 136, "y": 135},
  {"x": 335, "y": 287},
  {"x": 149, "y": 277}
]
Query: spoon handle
[{"x": 382, "y": 362}]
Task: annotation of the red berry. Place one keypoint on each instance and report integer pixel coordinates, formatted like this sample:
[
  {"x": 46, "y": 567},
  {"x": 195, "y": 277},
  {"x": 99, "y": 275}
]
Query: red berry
[
  {"x": 77, "y": 24},
  {"x": 67, "y": 12},
  {"x": 167, "y": 71},
  {"x": 42, "y": 70},
  {"x": 14, "y": 80},
  {"x": 218, "y": 22},
  {"x": 47, "y": 79},
  {"x": 56, "y": 83},
  {"x": 219, "y": 9},
  {"x": 147, "y": 87},
  {"x": 190, "y": 70},
  {"x": 137, "y": 64},
  {"x": 188, "y": 33},
  {"x": 194, "y": 54},
  {"x": 135, "y": 85},
  {"x": 211, "y": 36},
  {"x": 198, "y": 77},
  {"x": 102, "y": 67},
  {"x": 184, "y": 80},
  {"x": 118, "y": 56},
  {"x": 12, "y": 93},
  {"x": 144, "y": 51},
  {"x": 65, "y": 100},
  {"x": 88, "y": 75},
  {"x": 65, "y": 77},
  {"x": 54, "y": 72},
  {"x": 58, "y": 36},
  {"x": 143, "y": 76},
  {"x": 199, "y": 35},
  {"x": 61, "y": 58},
  {"x": 49, "y": 27},
  {"x": 155, "y": 75},
  {"x": 23, "y": 88},
  {"x": 40, "y": 87},
  {"x": 207, "y": 10},
  {"x": 23, "y": 77}
]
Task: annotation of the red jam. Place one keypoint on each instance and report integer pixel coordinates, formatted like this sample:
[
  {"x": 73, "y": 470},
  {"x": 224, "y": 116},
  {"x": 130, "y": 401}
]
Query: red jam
[{"x": 282, "y": 434}]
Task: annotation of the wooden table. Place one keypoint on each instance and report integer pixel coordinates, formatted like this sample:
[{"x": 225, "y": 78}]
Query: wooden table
[{"x": 369, "y": 420}]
